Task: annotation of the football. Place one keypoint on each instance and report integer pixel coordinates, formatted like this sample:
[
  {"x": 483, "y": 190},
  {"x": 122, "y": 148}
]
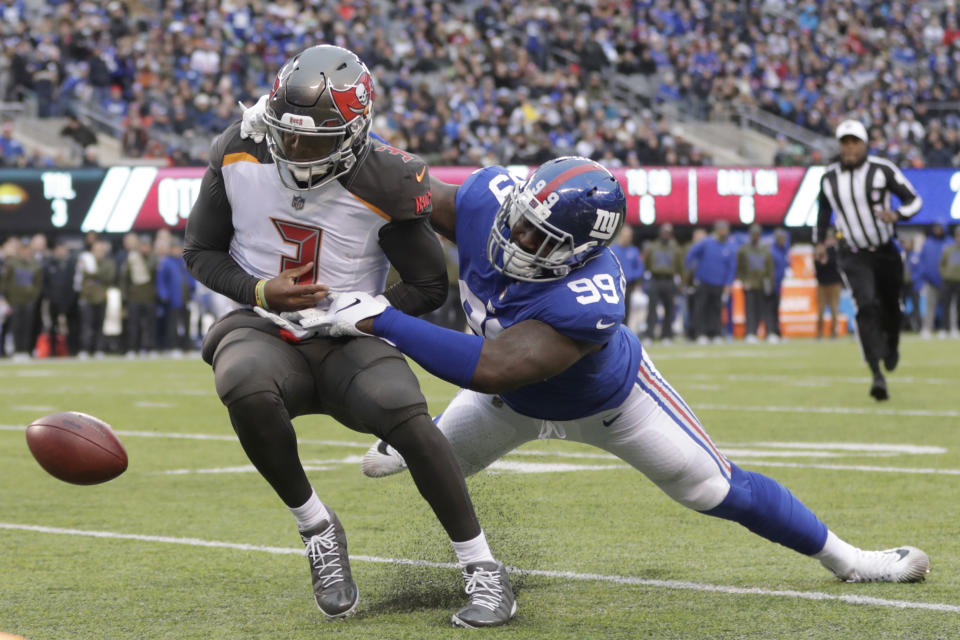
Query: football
[{"x": 77, "y": 448}]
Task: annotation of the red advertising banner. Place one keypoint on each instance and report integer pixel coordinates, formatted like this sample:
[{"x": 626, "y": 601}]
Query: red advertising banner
[
  {"x": 696, "y": 195},
  {"x": 123, "y": 198}
]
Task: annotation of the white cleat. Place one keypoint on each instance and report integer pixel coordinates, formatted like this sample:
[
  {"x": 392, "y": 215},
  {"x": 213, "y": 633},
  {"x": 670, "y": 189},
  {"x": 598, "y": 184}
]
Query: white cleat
[
  {"x": 903, "y": 564},
  {"x": 382, "y": 460}
]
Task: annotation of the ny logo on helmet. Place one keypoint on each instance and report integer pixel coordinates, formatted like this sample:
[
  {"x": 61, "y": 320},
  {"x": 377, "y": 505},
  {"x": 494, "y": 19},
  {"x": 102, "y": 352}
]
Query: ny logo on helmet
[
  {"x": 354, "y": 100},
  {"x": 605, "y": 225}
]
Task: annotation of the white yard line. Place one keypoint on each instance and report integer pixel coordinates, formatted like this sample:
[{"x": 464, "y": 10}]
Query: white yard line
[
  {"x": 734, "y": 450},
  {"x": 921, "y": 413},
  {"x": 564, "y": 575},
  {"x": 853, "y": 467},
  {"x": 713, "y": 378}
]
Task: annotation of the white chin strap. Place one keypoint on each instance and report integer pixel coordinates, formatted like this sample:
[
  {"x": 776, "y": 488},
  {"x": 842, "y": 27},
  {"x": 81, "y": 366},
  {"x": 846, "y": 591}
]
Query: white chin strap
[{"x": 301, "y": 174}]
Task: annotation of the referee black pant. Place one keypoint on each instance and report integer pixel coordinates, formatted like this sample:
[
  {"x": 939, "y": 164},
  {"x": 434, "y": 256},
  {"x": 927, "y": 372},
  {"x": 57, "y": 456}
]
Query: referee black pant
[{"x": 875, "y": 279}]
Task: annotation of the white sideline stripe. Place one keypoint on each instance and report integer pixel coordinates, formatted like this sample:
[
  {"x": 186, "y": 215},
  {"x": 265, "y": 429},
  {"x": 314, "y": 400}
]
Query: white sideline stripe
[
  {"x": 806, "y": 379},
  {"x": 923, "y": 413},
  {"x": 308, "y": 465},
  {"x": 859, "y": 447},
  {"x": 594, "y": 456},
  {"x": 201, "y": 436},
  {"x": 566, "y": 575},
  {"x": 849, "y": 446},
  {"x": 851, "y": 467},
  {"x": 12, "y": 389}
]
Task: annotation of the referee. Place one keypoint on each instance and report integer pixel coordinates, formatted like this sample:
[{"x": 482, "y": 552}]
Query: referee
[{"x": 857, "y": 190}]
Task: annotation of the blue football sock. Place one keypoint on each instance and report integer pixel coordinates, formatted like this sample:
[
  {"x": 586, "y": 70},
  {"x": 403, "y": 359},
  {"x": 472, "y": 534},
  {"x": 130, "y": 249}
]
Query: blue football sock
[{"x": 767, "y": 508}]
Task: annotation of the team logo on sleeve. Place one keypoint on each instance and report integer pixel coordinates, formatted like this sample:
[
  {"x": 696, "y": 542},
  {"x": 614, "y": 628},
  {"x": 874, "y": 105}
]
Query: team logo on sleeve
[{"x": 605, "y": 224}]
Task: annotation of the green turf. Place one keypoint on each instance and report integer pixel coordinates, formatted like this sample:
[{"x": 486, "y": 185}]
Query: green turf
[{"x": 611, "y": 523}]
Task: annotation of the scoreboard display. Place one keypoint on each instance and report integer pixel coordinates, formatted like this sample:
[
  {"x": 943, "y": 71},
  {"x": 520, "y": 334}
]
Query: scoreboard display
[{"x": 121, "y": 199}]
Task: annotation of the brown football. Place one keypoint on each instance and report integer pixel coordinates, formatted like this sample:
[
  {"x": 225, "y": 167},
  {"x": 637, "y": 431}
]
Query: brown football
[{"x": 77, "y": 448}]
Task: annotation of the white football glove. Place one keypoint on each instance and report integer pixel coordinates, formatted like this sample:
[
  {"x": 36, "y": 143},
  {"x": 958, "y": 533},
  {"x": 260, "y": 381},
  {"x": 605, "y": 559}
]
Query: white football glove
[
  {"x": 347, "y": 310},
  {"x": 290, "y": 321},
  {"x": 252, "y": 125}
]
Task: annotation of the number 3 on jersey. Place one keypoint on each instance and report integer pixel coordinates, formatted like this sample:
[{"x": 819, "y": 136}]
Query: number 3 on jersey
[
  {"x": 307, "y": 241},
  {"x": 592, "y": 289}
]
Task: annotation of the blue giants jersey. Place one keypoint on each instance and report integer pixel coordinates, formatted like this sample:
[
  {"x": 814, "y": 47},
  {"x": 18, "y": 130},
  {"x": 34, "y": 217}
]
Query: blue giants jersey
[{"x": 586, "y": 305}]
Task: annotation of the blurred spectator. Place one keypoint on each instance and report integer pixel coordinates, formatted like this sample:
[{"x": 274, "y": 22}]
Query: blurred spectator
[
  {"x": 41, "y": 254},
  {"x": 928, "y": 273},
  {"x": 632, "y": 263},
  {"x": 755, "y": 272},
  {"x": 950, "y": 272},
  {"x": 781, "y": 259},
  {"x": 11, "y": 151},
  {"x": 139, "y": 290},
  {"x": 713, "y": 264},
  {"x": 61, "y": 296},
  {"x": 135, "y": 137},
  {"x": 663, "y": 260},
  {"x": 95, "y": 273},
  {"x": 8, "y": 250},
  {"x": 22, "y": 284},
  {"x": 829, "y": 285},
  {"x": 174, "y": 288},
  {"x": 910, "y": 293},
  {"x": 78, "y": 132}
]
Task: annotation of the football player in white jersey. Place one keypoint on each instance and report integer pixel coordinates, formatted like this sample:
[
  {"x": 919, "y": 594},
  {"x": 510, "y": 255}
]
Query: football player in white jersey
[
  {"x": 549, "y": 358},
  {"x": 321, "y": 204}
]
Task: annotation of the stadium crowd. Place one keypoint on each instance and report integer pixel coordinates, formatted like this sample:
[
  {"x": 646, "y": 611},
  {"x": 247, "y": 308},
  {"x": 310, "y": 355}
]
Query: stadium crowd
[{"x": 488, "y": 81}]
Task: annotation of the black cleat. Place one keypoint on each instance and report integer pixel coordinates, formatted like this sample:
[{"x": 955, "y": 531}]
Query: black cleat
[
  {"x": 333, "y": 586},
  {"x": 891, "y": 359},
  {"x": 879, "y": 388},
  {"x": 491, "y": 597}
]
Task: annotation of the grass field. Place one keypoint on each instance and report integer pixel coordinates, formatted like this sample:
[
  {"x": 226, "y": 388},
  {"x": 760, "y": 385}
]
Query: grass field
[{"x": 191, "y": 543}]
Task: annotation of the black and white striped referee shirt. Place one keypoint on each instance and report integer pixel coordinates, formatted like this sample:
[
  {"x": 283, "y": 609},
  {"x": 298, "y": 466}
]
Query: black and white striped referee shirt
[{"x": 858, "y": 195}]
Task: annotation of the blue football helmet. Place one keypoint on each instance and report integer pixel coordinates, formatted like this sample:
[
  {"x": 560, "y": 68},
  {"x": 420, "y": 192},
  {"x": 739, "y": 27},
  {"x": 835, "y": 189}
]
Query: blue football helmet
[{"x": 576, "y": 204}]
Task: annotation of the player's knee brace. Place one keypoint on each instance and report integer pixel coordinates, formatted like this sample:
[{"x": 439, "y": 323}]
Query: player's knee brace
[
  {"x": 380, "y": 406},
  {"x": 767, "y": 508},
  {"x": 261, "y": 420},
  {"x": 242, "y": 366}
]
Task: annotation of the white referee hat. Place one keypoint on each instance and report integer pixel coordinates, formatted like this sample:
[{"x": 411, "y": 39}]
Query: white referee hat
[{"x": 853, "y": 128}]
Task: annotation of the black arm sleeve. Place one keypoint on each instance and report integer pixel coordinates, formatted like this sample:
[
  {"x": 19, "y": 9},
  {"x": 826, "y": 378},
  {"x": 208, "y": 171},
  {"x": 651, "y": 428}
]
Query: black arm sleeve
[
  {"x": 415, "y": 252},
  {"x": 823, "y": 216},
  {"x": 207, "y": 243}
]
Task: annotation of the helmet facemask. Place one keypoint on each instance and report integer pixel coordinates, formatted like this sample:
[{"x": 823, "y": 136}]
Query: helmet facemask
[
  {"x": 549, "y": 261},
  {"x": 308, "y": 156}
]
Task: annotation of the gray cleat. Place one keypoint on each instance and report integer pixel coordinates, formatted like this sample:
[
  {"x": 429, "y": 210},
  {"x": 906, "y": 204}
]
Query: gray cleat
[
  {"x": 333, "y": 586},
  {"x": 491, "y": 597}
]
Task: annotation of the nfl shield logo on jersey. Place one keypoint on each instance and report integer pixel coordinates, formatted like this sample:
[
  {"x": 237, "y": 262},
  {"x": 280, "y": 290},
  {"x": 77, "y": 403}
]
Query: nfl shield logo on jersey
[{"x": 297, "y": 202}]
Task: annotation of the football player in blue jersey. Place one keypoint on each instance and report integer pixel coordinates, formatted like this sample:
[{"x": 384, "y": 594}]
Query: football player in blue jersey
[{"x": 549, "y": 357}]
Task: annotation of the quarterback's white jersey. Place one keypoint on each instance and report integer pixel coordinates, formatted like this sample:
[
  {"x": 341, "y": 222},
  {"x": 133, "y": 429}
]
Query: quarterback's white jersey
[
  {"x": 277, "y": 229},
  {"x": 246, "y": 225}
]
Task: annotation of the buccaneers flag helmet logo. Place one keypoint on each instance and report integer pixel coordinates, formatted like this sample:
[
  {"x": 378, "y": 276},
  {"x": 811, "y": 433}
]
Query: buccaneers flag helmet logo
[{"x": 354, "y": 100}]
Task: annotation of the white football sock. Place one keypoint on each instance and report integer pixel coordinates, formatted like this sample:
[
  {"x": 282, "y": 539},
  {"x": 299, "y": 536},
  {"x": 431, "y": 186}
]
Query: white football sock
[
  {"x": 837, "y": 556},
  {"x": 474, "y": 550},
  {"x": 310, "y": 513}
]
